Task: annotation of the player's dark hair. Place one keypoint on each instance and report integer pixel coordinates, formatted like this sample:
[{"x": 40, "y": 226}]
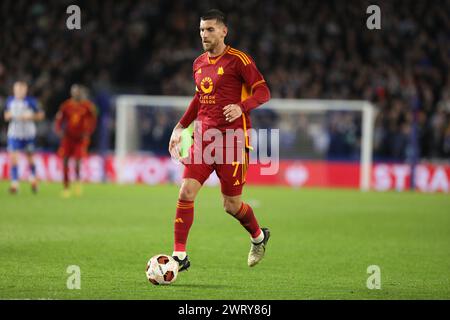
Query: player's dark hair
[{"x": 214, "y": 14}]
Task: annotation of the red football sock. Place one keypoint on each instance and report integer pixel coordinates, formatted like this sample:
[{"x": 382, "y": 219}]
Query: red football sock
[
  {"x": 66, "y": 175},
  {"x": 183, "y": 222},
  {"x": 248, "y": 220},
  {"x": 77, "y": 170}
]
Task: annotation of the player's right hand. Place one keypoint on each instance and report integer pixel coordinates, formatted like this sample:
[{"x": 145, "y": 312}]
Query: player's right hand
[{"x": 174, "y": 143}]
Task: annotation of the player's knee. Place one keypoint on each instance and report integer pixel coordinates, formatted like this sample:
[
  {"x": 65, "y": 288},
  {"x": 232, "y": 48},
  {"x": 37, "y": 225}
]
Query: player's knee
[
  {"x": 187, "y": 193},
  {"x": 231, "y": 206}
]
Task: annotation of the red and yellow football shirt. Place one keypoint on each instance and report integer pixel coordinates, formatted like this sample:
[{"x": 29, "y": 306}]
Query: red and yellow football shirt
[
  {"x": 78, "y": 118},
  {"x": 226, "y": 79}
]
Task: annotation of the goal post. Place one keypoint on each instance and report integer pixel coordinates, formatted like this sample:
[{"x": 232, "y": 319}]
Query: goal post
[{"x": 127, "y": 122}]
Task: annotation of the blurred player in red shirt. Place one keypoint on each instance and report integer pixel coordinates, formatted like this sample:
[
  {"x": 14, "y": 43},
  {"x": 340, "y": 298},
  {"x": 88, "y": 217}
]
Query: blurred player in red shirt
[
  {"x": 228, "y": 86},
  {"x": 75, "y": 123}
]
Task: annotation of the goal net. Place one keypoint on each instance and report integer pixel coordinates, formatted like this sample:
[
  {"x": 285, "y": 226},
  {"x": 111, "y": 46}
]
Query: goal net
[{"x": 324, "y": 134}]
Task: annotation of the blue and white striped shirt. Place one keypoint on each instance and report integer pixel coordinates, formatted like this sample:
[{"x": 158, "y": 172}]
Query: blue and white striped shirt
[{"x": 19, "y": 129}]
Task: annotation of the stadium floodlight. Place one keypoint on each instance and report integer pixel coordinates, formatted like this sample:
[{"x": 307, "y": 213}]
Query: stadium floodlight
[{"x": 127, "y": 120}]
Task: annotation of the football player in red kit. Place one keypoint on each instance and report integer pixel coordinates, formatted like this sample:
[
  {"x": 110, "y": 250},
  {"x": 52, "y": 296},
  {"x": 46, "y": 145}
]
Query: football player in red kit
[
  {"x": 75, "y": 123},
  {"x": 228, "y": 87}
]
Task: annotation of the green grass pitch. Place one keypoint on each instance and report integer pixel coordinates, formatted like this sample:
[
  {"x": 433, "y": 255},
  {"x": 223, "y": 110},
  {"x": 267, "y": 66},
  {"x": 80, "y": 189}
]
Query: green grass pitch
[{"x": 321, "y": 246}]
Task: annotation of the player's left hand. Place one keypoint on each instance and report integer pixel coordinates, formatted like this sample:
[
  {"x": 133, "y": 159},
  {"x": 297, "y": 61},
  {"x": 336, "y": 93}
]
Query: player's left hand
[{"x": 232, "y": 112}]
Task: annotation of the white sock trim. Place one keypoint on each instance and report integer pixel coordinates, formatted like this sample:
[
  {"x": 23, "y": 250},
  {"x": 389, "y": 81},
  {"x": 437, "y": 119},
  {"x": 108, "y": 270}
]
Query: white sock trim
[
  {"x": 259, "y": 238},
  {"x": 180, "y": 254}
]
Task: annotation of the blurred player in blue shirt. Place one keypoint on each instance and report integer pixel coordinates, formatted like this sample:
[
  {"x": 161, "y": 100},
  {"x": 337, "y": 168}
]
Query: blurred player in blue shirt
[{"x": 21, "y": 112}]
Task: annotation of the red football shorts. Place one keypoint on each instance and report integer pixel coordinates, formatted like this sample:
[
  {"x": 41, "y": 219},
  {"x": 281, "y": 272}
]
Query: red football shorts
[
  {"x": 231, "y": 172},
  {"x": 76, "y": 148}
]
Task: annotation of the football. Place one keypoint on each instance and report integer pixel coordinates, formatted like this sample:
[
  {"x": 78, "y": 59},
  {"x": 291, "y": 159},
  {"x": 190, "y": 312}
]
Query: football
[{"x": 161, "y": 269}]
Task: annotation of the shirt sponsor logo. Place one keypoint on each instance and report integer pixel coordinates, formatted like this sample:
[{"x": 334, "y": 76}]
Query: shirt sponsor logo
[{"x": 206, "y": 85}]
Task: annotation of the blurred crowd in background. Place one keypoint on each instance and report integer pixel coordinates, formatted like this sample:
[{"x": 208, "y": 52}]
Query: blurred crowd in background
[{"x": 305, "y": 49}]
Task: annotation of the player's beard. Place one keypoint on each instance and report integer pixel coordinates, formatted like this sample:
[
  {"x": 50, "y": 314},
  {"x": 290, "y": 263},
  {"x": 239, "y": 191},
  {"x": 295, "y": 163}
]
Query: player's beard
[{"x": 209, "y": 46}]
